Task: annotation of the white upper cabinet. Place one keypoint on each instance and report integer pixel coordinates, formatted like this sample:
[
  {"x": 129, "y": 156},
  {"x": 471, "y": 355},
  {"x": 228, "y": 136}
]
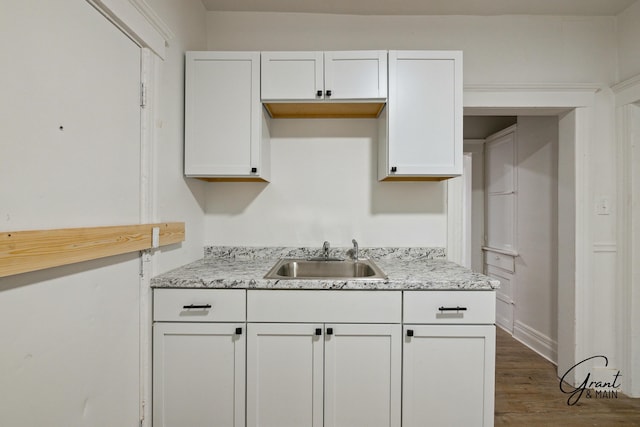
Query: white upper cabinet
[
  {"x": 292, "y": 75},
  {"x": 421, "y": 128},
  {"x": 226, "y": 129},
  {"x": 355, "y": 75},
  {"x": 322, "y": 76}
]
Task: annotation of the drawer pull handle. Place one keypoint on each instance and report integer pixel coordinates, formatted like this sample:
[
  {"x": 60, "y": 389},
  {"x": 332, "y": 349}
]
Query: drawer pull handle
[
  {"x": 238, "y": 331},
  {"x": 452, "y": 308},
  {"x": 329, "y": 331},
  {"x": 196, "y": 306},
  {"x": 409, "y": 332},
  {"x": 318, "y": 331}
]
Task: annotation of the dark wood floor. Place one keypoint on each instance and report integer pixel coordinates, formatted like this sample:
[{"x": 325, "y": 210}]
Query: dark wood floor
[{"x": 528, "y": 394}]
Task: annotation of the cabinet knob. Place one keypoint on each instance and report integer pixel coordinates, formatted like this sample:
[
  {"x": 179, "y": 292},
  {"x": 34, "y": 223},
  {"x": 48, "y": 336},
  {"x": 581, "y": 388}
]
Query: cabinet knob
[
  {"x": 328, "y": 93},
  {"x": 319, "y": 93},
  {"x": 254, "y": 170},
  {"x": 238, "y": 331},
  {"x": 318, "y": 331},
  {"x": 409, "y": 332},
  {"x": 329, "y": 331},
  {"x": 394, "y": 169}
]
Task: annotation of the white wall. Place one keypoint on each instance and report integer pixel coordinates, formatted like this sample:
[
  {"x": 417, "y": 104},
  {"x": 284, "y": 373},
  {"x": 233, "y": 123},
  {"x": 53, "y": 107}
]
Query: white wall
[
  {"x": 476, "y": 148},
  {"x": 497, "y": 50},
  {"x": 177, "y": 198},
  {"x": 324, "y": 187},
  {"x": 71, "y": 342},
  {"x": 628, "y": 45},
  {"x": 536, "y": 288},
  {"x": 69, "y": 353}
]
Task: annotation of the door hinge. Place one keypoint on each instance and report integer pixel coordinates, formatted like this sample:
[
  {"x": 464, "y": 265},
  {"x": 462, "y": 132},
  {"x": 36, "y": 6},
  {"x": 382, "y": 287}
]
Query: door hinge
[
  {"x": 143, "y": 95},
  {"x": 142, "y": 414}
]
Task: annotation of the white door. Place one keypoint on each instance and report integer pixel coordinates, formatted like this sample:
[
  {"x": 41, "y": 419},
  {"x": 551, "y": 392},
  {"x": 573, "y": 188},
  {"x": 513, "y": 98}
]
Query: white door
[
  {"x": 362, "y": 375},
  {"x": 69, "y": 157},
  {"x": 199, "y": 374},
  {"x": 284, "y": 375},
  {"x": 448, "y": 374},
  {"x": 355, "y": 75},
  {"x": 292, "y": 75}
]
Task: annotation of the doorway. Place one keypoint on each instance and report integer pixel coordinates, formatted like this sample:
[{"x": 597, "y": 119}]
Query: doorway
[
  {"x": 516, "y": 210},
  {"x": 573, "y": 106}
]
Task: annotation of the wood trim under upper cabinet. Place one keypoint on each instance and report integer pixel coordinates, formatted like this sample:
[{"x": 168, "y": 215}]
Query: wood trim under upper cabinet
[
  {"x": 324, "y": 110},
  {"x": 24, "y": 251}
]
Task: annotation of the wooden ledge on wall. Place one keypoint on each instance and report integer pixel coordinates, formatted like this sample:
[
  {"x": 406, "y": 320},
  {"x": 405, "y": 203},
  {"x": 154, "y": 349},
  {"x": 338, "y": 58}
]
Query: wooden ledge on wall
[{"x": 24, "y": 251}]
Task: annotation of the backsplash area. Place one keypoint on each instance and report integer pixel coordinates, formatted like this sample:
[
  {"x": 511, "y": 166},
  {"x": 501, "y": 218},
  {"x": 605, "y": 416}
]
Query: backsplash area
[
  {"x": 324, "y": 187},
  {"x": 248, "y": 252}
]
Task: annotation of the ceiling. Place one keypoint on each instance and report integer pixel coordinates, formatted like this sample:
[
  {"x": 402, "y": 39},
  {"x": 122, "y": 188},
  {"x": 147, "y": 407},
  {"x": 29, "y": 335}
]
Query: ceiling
[{"x": 427, "y": 7}]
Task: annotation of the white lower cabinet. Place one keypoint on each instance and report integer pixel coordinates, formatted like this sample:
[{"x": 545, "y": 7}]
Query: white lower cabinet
[
  {"x": 362, "y": 375},
  {"x": 448, "y": 375},
  {"x": 199, "y": 374},
  {"x": 343, "y": 359},
  {"x": 284, "y": 375},
  {"x": 333, "y": 375}
]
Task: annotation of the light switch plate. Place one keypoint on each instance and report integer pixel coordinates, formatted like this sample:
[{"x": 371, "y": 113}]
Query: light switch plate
[{"x": 603, "y": 207}]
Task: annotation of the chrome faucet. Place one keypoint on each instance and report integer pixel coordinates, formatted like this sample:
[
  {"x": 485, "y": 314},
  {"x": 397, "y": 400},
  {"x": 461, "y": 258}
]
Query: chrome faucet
[
  {"x": 325, "y": 249},
  {"x": 356, "y": 255}
]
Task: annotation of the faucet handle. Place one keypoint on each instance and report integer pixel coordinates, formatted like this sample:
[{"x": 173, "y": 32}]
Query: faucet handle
[
  {"x": 325, "y": 249},
  {"x": 356, "y": 255}
]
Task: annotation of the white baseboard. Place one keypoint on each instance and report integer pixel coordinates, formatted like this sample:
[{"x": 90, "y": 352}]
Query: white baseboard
[{"x": 536, "y": 341}]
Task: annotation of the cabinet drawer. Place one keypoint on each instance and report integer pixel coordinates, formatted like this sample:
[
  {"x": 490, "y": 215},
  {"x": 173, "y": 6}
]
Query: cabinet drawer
[
  {"x": 507, "y": 282},
  {"x": 199, "y": 305},
  {"x": 324, "y": 306},
  {"x": 432, "y": 307},
  {"x": 495, "y": 259}
]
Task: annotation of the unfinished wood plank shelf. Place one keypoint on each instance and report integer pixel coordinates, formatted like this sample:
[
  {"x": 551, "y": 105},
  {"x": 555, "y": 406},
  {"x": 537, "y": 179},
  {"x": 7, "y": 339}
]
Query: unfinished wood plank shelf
[
  {"x": 24, "y": 251},
  {"x": 324, "y": 110}
]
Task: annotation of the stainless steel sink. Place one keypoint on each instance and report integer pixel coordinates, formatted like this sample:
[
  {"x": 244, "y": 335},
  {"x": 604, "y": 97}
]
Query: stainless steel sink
[{"x": 318, "y": 269}]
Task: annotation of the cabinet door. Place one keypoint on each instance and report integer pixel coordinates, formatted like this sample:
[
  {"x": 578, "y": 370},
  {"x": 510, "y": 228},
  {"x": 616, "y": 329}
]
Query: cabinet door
[
  {"x": 501, "y": 188},
  {"x": 284, "y": 375},
  {"x": 198, "y": 375},
  {"x": 501, "y": 221},
  {"x": 292, "y": 75},
  {"x": 355, "y": 75},
  {"x": 223, "y": 115},
  {"x": 362, "y": 375},
  {"x": 448, "y": 375},
  {"x": 424, "y": 135},
  {"x": 505, "y": 296},
  {"x": 500, "y": 162}
]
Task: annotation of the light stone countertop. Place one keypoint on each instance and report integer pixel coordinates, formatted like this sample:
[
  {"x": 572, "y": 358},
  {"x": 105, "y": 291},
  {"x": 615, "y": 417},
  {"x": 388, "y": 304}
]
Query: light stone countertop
[{"x": 245, "y": 267}]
